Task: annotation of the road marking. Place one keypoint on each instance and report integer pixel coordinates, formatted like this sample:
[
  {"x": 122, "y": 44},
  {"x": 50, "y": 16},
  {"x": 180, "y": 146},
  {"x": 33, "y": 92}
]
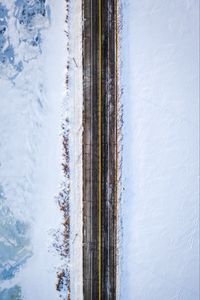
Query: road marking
[
  {"x": 100, "y": 150},
  {"x": 116, "y": 125},
  {"x": 91, "y": 154},
  {"x": 108, "y": 92}
]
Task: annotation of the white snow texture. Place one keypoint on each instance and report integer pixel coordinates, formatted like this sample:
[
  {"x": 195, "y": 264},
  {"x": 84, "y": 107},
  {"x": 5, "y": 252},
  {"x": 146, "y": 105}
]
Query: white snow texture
[{"x": 159, "y": 77}]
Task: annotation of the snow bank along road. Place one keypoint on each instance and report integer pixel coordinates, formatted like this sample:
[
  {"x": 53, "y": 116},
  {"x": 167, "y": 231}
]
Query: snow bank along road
[{"x": 99, "y": 149}]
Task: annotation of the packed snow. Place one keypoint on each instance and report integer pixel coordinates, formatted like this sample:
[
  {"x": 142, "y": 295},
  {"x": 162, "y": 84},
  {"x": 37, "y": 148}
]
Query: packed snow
[{"x": 160, "y": 81}]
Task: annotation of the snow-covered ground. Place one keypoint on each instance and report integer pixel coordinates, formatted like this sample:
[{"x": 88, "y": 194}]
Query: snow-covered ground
[
  {"x": 76, "y": 111},
  {"x": 159, "y": 77},
  {"x": 34, "y": 103}
]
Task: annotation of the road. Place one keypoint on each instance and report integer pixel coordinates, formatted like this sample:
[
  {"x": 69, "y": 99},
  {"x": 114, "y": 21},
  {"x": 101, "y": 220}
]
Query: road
[{"x": 100, "y": 149}]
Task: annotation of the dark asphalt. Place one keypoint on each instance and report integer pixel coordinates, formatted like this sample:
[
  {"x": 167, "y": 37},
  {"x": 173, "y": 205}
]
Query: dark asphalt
[{"x": 99, "y": 149}]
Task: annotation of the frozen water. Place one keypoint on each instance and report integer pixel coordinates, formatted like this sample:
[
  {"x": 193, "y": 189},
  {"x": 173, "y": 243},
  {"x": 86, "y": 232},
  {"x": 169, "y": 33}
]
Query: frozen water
[{"x": 32, "y": 84}]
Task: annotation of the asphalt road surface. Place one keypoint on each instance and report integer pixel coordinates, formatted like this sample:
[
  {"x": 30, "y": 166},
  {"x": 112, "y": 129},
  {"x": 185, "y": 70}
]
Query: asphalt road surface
[{"x": 100, "y": 149}]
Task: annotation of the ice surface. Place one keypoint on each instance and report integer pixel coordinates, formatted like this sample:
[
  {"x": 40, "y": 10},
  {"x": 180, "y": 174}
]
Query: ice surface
[
  {"x": 160, "y": 70},
  {"x": 32, "y": 85}
]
